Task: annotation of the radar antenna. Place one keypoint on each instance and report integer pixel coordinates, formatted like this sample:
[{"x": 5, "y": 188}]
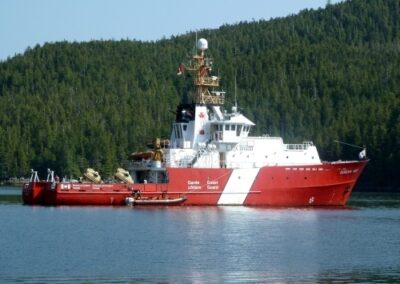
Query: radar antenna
[{"x": 201, "y": 67}]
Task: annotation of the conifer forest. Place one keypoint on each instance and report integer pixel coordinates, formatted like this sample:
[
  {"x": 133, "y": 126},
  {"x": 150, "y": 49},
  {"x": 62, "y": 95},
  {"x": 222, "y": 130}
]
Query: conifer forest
[{"x": 325, "y": 75}]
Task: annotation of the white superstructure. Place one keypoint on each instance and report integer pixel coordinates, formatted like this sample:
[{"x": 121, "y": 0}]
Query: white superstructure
[{"x": 205, "y": 136}]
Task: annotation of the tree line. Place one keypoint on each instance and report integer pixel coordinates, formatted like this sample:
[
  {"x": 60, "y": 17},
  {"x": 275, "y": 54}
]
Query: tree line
[{"x": 323, "y": 75}]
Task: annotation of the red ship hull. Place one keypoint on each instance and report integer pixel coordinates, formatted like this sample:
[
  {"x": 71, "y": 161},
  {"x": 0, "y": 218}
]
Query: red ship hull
[{"x": 328, "y": 184}]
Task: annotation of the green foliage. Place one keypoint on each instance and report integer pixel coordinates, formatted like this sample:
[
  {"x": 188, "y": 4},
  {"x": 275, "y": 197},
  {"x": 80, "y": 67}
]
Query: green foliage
[{"x": 322, "y": 75}]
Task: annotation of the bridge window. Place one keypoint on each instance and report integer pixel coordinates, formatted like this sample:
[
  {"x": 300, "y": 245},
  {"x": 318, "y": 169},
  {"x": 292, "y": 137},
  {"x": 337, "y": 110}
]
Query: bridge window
[
  {"x": 238, "y": 130},
  {"x": 178, "y": 131}
]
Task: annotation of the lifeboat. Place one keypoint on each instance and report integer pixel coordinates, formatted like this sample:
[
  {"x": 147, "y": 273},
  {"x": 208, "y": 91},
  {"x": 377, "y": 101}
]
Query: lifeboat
[{"x": 131, "y": 201}]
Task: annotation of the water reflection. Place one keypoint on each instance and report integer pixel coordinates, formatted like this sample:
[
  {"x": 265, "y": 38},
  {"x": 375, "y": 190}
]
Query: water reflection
[
  {"x": 69, "y": 244},
  {"x": 350, "y": 276}
]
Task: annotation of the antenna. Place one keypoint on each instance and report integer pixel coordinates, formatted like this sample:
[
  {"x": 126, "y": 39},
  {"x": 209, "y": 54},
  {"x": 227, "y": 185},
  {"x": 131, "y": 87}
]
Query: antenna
[
  {"x": 234, "y": 109},
  {"x": 235, "y": 92},
  {"x": 195, "y": 44},
  {"x": 235, "y": 80}
]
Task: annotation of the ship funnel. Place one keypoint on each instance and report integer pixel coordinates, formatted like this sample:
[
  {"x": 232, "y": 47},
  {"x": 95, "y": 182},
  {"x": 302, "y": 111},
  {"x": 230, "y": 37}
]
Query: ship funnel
[{"x": 202, "y": 44}]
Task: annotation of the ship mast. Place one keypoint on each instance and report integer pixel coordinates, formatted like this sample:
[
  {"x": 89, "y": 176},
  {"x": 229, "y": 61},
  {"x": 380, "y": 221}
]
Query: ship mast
[{"x": 200, "y": 68}]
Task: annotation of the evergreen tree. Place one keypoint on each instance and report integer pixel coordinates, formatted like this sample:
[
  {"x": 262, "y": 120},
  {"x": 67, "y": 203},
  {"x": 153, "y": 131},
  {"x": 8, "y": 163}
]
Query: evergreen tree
[{"x": 322, "y": 75}]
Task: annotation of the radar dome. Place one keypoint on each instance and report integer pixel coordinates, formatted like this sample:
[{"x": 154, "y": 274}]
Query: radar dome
[{"x": 202, "y": 44}]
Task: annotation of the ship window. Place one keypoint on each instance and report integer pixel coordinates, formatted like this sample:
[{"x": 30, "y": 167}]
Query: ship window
[
  {"x": 184, "y": 126},
  {"x": 233, "y": 127},
  {"x": 176, "y": 131},
  {"x": 226, "y": 127},
  {"x": 238, "y": 129},
  {"x": 180, "y": 132}
]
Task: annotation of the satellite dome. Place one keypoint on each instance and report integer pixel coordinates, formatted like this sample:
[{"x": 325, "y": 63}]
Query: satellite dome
[{"x": 202, "y": 44}]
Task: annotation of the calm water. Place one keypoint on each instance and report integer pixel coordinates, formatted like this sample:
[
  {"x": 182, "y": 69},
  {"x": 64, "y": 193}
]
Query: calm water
[{"x": 200, "y": 244}]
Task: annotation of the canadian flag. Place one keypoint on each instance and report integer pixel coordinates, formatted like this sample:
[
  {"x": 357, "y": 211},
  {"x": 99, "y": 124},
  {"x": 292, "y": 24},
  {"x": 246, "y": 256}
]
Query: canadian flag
[{"x": 181, "y": 69}]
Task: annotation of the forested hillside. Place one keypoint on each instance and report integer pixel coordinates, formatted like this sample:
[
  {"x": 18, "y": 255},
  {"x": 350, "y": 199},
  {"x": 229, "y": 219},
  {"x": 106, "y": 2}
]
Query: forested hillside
[{"x": 322, "y": 75}]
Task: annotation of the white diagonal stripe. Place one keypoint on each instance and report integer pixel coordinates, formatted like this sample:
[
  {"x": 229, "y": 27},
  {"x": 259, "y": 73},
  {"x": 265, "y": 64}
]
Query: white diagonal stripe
[{"x": 238, "y": 186}]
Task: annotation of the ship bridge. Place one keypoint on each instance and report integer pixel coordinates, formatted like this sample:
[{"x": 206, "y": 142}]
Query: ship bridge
[{"x": 231, "y": 130}]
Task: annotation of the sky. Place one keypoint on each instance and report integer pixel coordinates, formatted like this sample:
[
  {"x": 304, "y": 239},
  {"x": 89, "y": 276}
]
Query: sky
[{"x": 26, "y": 23}]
